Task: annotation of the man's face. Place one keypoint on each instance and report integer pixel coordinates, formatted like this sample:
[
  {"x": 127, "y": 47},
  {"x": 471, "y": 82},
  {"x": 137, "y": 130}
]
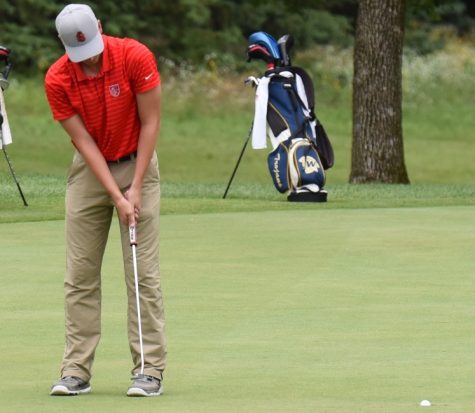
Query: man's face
[{"x": 92, "y": 61}]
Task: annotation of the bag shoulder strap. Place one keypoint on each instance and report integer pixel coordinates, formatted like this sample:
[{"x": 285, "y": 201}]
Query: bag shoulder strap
[
  {"x": 306, "y": 79},
  {"x": 307, "y": 84}
]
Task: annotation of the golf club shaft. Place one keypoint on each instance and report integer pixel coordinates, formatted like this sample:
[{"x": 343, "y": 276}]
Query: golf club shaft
[{"x": 133, "y": 244}]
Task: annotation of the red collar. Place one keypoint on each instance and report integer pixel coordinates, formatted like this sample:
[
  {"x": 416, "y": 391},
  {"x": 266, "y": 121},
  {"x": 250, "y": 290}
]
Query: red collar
[{"x": 105, "y": 67}]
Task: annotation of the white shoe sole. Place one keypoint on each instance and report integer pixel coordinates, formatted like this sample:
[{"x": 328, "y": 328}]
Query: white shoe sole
[
  {"x": 59, "y": 390},
  {"x": 138, "y": 392}
]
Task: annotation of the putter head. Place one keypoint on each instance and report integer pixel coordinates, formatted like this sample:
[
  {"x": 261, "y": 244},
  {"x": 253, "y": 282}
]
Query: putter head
[{"x": 286, "y": 42}]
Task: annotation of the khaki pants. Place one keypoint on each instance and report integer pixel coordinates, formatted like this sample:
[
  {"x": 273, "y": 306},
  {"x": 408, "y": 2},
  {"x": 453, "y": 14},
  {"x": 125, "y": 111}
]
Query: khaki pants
[{"x": 89, "y": 212}]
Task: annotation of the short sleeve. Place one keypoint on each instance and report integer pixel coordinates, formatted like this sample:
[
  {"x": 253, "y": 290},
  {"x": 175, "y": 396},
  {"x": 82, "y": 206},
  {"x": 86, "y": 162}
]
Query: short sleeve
[
  {"x": 58, "y": 99},
  {"x": 141, "y": 67}
]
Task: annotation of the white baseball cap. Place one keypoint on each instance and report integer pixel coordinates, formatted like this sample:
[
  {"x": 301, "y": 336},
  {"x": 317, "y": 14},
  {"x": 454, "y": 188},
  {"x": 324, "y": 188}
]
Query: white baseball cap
[{"x": 78, "y": 29}]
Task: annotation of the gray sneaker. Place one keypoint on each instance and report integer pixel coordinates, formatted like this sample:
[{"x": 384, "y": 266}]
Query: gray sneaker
[
  {"x": 145, "y": 386},
  {"x": 70, "y": 386}
]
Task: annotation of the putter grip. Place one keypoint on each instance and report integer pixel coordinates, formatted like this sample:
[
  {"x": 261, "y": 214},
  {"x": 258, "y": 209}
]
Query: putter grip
[{"x": 132, "y": 235}]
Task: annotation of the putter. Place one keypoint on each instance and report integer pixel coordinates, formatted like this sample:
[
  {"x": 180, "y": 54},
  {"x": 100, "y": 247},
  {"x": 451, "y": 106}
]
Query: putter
[{"x": 133, "y": 244}]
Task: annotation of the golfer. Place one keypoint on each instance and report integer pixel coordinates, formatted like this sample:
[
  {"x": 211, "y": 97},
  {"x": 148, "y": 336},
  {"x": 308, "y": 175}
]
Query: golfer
[{"x": 105, "y": 93}]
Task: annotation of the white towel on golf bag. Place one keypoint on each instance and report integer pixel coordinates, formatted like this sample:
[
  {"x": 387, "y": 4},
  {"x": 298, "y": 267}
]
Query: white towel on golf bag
[
  {"x": 260, "y": 114},
  {"x": 259, "y": 128},
  {"x": 6, "y": 136}
]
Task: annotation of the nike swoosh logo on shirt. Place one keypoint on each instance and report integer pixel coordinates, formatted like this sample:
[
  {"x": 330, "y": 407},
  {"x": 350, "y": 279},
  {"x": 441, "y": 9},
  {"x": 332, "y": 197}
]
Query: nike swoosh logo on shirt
[{"x": 149, "y": 76}]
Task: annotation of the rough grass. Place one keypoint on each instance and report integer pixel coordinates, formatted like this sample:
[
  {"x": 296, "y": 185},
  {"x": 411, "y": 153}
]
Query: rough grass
[{"x": 45, "y": 196}]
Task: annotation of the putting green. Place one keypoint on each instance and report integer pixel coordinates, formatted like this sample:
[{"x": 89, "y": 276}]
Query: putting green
[{"x": 343, "y": 310}]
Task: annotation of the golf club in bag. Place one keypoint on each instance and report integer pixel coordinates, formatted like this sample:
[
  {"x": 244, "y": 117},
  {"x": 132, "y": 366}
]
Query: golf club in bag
[
  {"x": 133, "y": 244},
  {"x": 285, "y": 112},
  {"x": 4, "y": 140}
]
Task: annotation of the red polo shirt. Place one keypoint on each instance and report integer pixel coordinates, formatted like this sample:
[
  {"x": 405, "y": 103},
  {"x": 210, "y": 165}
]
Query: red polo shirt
[{"x": 106, "y": 102}]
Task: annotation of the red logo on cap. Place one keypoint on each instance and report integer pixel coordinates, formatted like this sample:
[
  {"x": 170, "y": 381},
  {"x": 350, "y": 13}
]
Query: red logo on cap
[{"x": 80, "y": 37}]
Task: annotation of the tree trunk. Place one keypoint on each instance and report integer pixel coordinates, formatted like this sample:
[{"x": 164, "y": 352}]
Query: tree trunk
[{"x": 377, "y": 149}]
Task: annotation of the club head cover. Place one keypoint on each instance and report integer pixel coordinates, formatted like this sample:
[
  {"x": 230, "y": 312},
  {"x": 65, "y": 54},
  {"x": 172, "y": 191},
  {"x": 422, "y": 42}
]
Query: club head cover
[
  {"x": 256, "y": 51},
  {"x": 4, "y": 52},
  {"x": 268, "y": 42}
]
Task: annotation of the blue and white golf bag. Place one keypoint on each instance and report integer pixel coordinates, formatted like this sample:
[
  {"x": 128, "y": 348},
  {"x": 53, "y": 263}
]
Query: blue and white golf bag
[{"x": 284, "y": 112}]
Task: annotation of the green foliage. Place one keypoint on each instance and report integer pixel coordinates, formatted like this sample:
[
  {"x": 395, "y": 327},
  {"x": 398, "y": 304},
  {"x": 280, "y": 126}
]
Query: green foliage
[
  {"x": 418, "y": 38},
  {"x": 455, "y": 13},
  {"x": 26, "y": 28},
  {"x": 424, "y": 17},
  {"x": 213, "y": 33}
]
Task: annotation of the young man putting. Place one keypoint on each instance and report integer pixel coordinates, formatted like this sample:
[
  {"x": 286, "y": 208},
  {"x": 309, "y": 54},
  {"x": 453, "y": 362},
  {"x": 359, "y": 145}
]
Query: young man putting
[{"x": 105, "y": 92}]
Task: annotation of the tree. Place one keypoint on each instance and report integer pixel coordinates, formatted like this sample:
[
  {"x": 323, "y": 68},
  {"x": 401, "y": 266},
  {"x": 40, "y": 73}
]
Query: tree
[{"x": 377, "y": 147}]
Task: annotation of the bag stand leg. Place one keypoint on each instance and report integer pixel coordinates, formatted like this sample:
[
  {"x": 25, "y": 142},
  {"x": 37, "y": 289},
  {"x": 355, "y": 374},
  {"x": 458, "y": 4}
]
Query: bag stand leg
[
  {"x": 238, "y": 162},
  {"x": 14, "y": 177}
]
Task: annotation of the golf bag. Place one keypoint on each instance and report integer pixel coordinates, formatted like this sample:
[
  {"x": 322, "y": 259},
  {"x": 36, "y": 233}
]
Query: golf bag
[
  {"x": 5, "y": 133},
  {"x": 285, "y": 113}
]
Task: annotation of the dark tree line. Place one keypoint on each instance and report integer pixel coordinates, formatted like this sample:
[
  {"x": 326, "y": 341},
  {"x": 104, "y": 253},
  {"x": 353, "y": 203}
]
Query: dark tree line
[{"x": 191, "y": 30}]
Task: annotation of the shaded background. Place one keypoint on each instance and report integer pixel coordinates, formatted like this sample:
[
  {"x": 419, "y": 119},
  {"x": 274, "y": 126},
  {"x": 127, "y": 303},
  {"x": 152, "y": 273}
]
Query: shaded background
[{"x": 213, "y": 32}]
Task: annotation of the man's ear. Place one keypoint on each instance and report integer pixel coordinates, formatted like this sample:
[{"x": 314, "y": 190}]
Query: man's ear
[{"x": 99, "y": 25}]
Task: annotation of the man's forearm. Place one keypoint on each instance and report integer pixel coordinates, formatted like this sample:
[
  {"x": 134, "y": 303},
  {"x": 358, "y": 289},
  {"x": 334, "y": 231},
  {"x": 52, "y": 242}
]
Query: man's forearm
[
  {"x": 99, "y": 167},
  {"x": 92, "y": 155},
  {"x": 149, "y": 111},
  {"x": 145, "y": 150}
]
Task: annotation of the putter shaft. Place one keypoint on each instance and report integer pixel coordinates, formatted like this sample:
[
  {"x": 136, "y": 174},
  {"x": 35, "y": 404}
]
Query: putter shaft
[{"x": 133, "y": 243}]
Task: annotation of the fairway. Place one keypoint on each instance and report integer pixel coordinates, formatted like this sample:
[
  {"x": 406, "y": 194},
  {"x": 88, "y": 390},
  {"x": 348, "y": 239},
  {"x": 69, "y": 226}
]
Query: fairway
[{"x": 324, "y": 310}]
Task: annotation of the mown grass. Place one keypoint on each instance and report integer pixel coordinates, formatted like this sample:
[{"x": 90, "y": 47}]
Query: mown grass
[{"x": 337, "y": 310}]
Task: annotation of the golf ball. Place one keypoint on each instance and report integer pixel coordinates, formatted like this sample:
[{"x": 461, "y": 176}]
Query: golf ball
[{"x": 425, "y": 403}]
